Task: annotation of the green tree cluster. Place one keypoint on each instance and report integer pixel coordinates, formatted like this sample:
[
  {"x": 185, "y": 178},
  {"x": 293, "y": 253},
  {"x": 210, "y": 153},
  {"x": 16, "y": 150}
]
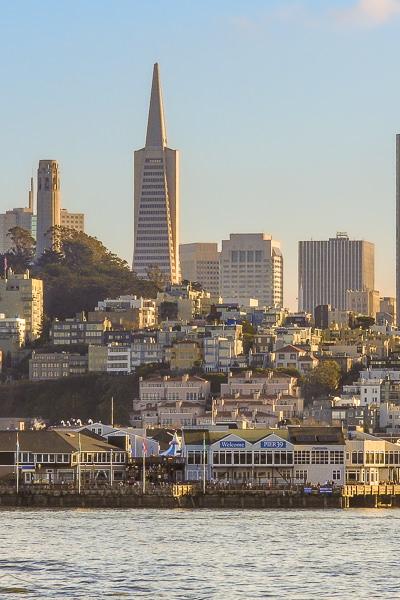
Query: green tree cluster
[
  {"x": 79, "y": 271},
  {"x": 83, "y": 397},
  {"x": 323, "y": 380}
]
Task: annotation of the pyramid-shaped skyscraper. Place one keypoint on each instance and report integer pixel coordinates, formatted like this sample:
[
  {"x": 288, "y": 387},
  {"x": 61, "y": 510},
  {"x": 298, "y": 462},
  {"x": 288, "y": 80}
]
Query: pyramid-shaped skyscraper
[{"x": 156, "y": 194}]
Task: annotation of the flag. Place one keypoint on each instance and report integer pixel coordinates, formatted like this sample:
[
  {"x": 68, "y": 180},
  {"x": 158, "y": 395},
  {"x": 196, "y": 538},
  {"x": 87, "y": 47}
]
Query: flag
[{"x": 144, "y": 447}]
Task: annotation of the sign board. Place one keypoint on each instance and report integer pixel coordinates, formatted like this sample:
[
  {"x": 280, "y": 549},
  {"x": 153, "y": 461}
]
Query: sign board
[
  {"x": 325, "y": 490},
  {"x": 273, "y": 444},
  {"x": 232, "y": 444},
  {"x": 27, "y": 467}
]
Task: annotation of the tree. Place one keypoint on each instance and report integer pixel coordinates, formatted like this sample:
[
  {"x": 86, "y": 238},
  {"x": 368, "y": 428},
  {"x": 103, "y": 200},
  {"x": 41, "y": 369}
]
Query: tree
[
  {"x": 323, "y": 380},
  {"x": 156, "y": 276},
  {"x": 248, "y": 336},
  {"x": 22, "y": 252},
  {"x": 168, "y": 310},
  {"x": 79, "y": 271}
]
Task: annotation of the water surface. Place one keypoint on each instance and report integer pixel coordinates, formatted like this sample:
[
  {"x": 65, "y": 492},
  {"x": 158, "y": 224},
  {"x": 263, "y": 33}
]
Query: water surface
[{"x": 203, "y": 554}]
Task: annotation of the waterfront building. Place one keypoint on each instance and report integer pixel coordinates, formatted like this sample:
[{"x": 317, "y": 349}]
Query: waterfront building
[
  {"x": 156, "y": 196},
  {"x": 132, "y": 439},
  {"x": 327, "y": 269},
  {"x": 292, "y": 455},
  {"x": 371, "y": 460},
  {"x": 78, "y": 330},
  {"x": 70, "y": 220},
  {"x": 251, "y": 266},
  {"x": 48, "y": 204},
  {"x": 50, "y": 456},
  {"x": 200, "y": 263},
  {"x": 21, "y": 296},
  {"x": 55, "y": 365}
]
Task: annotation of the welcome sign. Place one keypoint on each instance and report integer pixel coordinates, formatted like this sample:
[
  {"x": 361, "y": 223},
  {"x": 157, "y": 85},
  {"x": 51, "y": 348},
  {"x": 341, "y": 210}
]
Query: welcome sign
[{"x": 232, "y": 444}]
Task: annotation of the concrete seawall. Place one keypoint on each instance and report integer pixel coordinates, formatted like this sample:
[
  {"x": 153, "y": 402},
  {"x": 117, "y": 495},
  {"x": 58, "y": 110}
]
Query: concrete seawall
[
  {"x": 116, "y": 499},
  {"x": 214, "y": 499}
]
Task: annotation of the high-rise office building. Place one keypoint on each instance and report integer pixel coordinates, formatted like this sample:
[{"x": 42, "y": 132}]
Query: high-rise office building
[
  {"x": 200, "y": 262},
  {"x": 327, "y": 269},
  {"x": 156, "y": 196},
  {"x": 398, "y": 229},
  {"x": 17, "y": 217},
  {"x": 72, "y": 220},
  {"x": 251, "y": 267},
  {"x": 48, "y": 204}
]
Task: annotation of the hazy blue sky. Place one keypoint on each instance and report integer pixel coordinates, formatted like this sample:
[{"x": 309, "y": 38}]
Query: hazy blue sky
[{"x": 285, "y": 114}]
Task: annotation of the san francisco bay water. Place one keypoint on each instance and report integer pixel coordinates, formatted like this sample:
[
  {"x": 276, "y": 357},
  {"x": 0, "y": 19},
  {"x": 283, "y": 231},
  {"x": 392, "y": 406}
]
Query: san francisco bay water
[{"x": 203, "y": 554}]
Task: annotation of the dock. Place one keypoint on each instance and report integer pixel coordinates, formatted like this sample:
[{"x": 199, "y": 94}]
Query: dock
[{"x": 192, "y": 496}]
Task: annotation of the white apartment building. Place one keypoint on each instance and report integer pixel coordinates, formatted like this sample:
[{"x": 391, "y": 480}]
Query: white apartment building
[
  {"x": 123, "y": 359},
  {"x": 249, "y": 383},
  {"x": 185, "y": 388},
  {"x": 368, "y": 391},
  {"x": 200, "y": 262},
  {"x": 218, "y": 354},
  {"x": 251, "y": 266}
]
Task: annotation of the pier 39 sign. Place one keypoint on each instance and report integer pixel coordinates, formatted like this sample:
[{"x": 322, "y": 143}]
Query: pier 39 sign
[{"x": 264, "y": 444}]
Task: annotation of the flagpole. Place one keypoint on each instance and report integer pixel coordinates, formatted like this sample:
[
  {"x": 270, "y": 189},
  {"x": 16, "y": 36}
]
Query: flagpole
[
  {"x": 204, "y": 462},
  {"x": 79, "y": 463},
  {"x": 112, "y": 411},
  {"x": 111, "y": 468},
  {"x": 144, "y": 449},
  {"x": 17, "y": 462}
]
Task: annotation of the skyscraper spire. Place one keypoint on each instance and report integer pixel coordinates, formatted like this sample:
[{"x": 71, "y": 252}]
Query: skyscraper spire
[
  {"x": 156, "y": 133},
  {"x": 156, "y": 192}
]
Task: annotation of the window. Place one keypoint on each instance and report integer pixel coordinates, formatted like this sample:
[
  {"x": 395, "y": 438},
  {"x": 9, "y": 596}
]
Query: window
[
  {"x": 357, "y": 458},
  {"x": 336, "y": 457},
  {"x": 302, "y": 457},
  {"x": 319, "y": 457},
  {"x": 336, "y": 475},
  {"x": 301, "y": 475}
]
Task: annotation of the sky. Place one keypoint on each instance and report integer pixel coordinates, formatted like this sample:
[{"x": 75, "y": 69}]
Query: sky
[{"x": 285, "y": 113}]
